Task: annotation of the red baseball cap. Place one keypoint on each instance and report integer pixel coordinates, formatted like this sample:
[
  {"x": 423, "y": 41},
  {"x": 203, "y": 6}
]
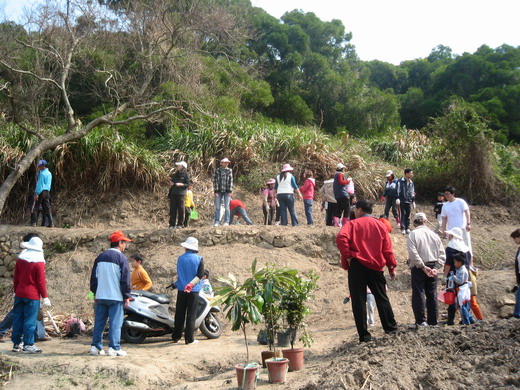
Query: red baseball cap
[{"x": 118, "y": 236}]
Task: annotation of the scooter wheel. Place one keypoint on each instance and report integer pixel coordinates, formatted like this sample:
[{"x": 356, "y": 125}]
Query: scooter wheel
[
  {"x": 132, "y": 336},
  {"x": 210, "y": 327}
]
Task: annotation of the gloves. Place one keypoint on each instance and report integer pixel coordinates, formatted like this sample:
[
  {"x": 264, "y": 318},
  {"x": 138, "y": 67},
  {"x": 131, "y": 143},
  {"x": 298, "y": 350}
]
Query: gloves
[
  {"x": 188, "y": 288},
  {"x": 46, "y": 302}
]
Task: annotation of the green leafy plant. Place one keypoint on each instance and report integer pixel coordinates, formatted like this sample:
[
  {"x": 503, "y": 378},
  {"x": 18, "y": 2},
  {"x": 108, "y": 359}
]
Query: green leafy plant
[{"x": 294, "y": 304}]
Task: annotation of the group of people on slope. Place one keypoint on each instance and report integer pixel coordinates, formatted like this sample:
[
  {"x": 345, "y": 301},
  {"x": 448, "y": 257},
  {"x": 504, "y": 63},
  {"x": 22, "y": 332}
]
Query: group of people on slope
[{"x": 366, "y": 248}]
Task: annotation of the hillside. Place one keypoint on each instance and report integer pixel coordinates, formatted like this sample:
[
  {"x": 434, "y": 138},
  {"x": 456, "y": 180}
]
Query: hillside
[{"x": 158, "y": 363}]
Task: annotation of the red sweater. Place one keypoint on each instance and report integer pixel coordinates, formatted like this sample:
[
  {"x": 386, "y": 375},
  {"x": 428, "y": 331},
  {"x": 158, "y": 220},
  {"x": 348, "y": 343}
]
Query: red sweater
[
  {"x": 29, "y": 280},
  {"x": 308, "y": 189},
  {"x": 367, "y": 240},
  {"x": 234, "y": 203}
]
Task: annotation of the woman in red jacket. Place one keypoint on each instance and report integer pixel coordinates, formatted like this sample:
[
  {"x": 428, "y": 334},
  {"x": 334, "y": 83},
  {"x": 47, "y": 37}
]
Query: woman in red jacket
[{"x": 29, "y": 286}]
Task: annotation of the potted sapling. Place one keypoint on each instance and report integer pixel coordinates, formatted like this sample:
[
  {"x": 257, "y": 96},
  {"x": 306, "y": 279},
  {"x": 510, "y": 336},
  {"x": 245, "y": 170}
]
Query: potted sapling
[{"x": 294, "y": 305}]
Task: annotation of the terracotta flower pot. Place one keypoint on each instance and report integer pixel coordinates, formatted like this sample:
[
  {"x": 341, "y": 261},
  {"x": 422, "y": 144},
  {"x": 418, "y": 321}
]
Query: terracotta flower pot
[
  {"x": 295, "y": 357},
  {"x": 269, "y": 355},
  {"x": 246, "y": 376},
  {"x": 277, "y": 369}
]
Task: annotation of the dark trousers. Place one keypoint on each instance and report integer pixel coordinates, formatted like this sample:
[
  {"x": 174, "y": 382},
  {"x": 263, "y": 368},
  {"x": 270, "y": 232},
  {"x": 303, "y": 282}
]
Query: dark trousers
[
  {"x": 268, "y": 214},
  {"x": 406, "y": 209},
  {"x": 187, "y": 212},
  {"x": 44, "y": 200},
  {"x": 390, "y": 204},
  {"x": 185, "y": 312},
  {"x": 330, "y": 213},
  {"x": 177, "y": 210},
  {"x": 343, "y": 207},
  {"x": 424, "y": 297},
  {"x": 359, "y": 277}
]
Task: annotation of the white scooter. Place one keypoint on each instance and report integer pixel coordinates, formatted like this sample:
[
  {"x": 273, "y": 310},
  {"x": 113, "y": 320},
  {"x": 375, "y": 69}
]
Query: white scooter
[{"x": 147, "y": 315}]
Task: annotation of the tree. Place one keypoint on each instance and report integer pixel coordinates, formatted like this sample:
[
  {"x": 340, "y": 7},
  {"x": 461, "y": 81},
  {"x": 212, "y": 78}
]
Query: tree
[{"x": 120, "y": 60}]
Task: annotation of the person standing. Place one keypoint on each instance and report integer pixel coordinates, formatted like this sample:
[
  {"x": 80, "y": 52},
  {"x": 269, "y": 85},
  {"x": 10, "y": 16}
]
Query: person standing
[
  {"x": 190, "y": 270},
  {"x": 455, "y": 214},
  {"x": 285, "y": 188},
  {"x": 139, "y": 280},
  {"x": 405, "y": 199},
  {"x": 29, "y": 285},
  {"x": 180, "y": 181},
  {"x": 269, "y": 202},
  {"x": 366, "y": 248},
  {"x": 110, "y": 282},
  {"x": 516, "y": 238},
  {"x": 342, "y": 196},
  {"x": 426, "y": 256},
  {"x": 189, "y": 206},
  {"x": 329, "y": 202},
  {"x": 308, "y": 195},
  {"x": 223, "y": 189},
  {"x": 42, "y": 196},
  {"x": 390, "y": 196}
]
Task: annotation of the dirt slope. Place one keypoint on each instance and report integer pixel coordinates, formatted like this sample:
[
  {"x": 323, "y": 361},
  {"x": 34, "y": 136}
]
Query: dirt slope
[{"x": 410, "y": 360}]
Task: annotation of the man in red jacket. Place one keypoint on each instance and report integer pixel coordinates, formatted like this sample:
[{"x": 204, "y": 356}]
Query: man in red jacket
[
  {"x": 366, "y": 248},
  {"x": 29, "y": 286}
]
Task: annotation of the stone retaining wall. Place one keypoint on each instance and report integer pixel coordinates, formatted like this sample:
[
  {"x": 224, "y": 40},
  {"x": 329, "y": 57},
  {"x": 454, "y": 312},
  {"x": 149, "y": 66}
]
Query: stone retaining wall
[{"x": 318, "y": 243}]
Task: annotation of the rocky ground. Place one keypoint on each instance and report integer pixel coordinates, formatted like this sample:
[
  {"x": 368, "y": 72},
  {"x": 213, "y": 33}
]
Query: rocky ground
[{"x": 483, "y": 356}]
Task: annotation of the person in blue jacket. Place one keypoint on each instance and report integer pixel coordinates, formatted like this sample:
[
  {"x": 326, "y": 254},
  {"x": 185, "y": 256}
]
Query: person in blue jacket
[
  {"x": 190, "y": 270},
  {"x": 42, "y": 196}
]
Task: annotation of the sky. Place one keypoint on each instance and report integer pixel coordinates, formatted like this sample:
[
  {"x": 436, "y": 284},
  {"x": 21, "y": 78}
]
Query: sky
[{"x": 397, "y": 30}]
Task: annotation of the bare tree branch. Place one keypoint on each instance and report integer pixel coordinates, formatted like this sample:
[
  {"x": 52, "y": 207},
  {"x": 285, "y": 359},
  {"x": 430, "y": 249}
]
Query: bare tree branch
[{"x": 21, "y": 71}]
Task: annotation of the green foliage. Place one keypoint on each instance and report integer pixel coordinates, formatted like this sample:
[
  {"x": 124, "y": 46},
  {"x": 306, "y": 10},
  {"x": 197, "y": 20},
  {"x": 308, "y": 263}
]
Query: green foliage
[
  {"x": 402, "y": 144},
  {"x": 294, "y": 304}
]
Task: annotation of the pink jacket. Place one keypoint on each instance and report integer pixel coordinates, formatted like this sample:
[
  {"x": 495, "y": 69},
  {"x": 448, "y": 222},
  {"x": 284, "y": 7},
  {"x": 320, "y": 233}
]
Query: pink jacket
[{"x": 308, "y": 188}]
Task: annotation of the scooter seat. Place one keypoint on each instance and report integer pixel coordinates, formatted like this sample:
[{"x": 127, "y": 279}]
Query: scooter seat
[{"x": 160, "y": 298}]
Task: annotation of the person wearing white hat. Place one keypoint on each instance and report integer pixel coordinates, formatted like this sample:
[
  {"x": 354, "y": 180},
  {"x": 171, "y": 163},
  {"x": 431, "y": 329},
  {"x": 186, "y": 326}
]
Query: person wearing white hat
[
  {"x": 426, "y": 256},
  {"x": 340, "y": 187},
  {"x": 285, "y": 188},
  {"x": 180, "y": 181},
  {"x": 190, "y": 270},
  {"x": 390, "y": 196},
  {"x": 29, "y": 286},
  {"x": 455, "y": 213},
  {"x": 222, "y": 189}
]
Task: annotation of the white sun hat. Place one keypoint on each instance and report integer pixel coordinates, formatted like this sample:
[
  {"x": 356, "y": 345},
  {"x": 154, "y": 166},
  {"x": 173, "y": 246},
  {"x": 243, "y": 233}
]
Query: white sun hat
[{"x": 191, "y": 243}]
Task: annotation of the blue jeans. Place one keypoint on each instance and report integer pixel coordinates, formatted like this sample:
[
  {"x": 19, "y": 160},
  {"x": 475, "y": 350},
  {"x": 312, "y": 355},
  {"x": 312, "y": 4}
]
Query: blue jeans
[
  {"x": 467, "y": 318},
  {"x": 517, "y": 305},
  {"x": 7, "y": 323},
  {"x": 218, "y": 201},
  {"x": 113, "y": 310},
  {"x": 286, "y": 201},
  {"x": 307, "y": 203},
  {"x": 24, "y": 321},
  {"x": 241, "y": 211}
]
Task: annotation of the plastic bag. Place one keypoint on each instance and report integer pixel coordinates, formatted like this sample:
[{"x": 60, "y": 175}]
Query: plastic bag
[{"x": 194, "y": 214}]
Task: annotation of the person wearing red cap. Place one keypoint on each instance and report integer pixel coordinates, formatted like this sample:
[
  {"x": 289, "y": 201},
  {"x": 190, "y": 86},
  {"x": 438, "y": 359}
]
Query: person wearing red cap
[{"x": 110, "y": 282}]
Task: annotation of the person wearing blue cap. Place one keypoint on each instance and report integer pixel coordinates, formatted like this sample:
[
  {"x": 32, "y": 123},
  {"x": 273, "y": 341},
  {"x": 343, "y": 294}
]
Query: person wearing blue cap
[{"x": 42, "y": 195}]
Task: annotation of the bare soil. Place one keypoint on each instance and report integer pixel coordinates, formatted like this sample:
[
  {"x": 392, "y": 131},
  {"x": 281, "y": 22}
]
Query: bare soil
[{"x": 482, "y": 356}]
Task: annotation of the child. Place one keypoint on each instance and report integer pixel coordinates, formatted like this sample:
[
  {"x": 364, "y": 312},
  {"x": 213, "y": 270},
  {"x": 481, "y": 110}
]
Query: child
[
  {"x": 206, "y": 286},
  {"x": 188, "y": 206},
  {"x": 269, "y": 202},
  {"x": 516, "y": 237},
  {"x": 461, "y": 279},
  {"x": 139, "y": 279},
  {"x": 308, "y": 195},
  {"x": 386, "y": 222},
  {"x": 437, "y": 210}
]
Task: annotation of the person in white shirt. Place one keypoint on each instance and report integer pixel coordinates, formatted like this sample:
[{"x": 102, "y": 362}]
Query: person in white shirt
[{"x": 455, "y": 213}]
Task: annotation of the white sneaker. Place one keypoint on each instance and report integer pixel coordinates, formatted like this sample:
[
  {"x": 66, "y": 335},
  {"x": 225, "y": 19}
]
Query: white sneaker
[
  {"x": 194, "y": 342},
  {"x": 216, "y": 224},
  {"x": 226, "y": 224},
  {"x": 407, "y": 231},
  {"x": 94, "y": 351},
  {"x": 277, "y": 223},
  {"x": 31, "y": 349},
  {"x": 403, "y": 232},
  {"x": 116, "y": 352},
  {"x": 422, "y": 325}
]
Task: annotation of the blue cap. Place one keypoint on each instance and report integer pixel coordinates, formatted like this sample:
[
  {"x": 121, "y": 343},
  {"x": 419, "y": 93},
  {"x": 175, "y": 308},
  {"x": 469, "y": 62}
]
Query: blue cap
[{"x": 42, "y": 162}]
